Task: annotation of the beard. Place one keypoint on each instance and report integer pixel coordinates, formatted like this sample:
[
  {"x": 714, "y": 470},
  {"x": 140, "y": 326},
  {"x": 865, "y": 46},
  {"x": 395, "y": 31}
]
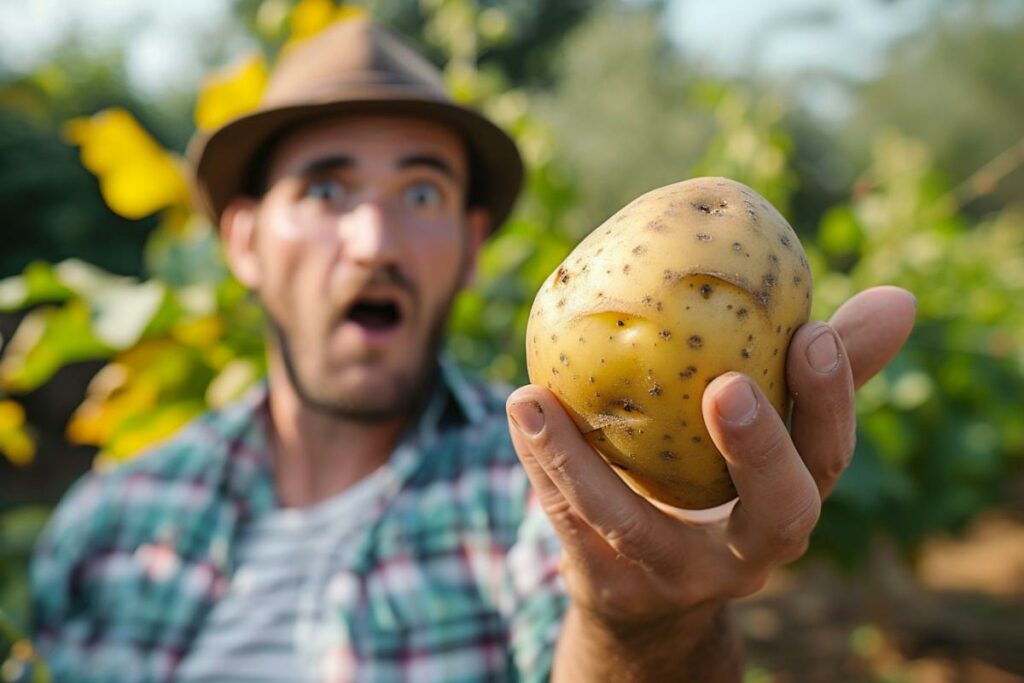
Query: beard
[
  {"x": 408, "y": 389},
  {"x": 406, "y": 393}
]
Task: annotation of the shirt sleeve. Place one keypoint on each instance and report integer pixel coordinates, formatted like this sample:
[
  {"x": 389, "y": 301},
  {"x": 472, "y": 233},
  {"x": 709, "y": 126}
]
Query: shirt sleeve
[
  {"x": 59, "y": 629},
  {"x": 540, "y": 600}
]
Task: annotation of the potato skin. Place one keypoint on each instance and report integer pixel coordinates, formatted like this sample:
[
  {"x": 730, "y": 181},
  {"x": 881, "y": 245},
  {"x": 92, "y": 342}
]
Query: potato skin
[{"x": 683, "y": 284}]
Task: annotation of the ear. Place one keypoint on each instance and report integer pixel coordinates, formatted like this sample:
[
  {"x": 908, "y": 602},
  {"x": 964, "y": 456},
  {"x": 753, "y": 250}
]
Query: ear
[
  {"x": 238, "y": 237},
  {"x": 478, "y": 226}
]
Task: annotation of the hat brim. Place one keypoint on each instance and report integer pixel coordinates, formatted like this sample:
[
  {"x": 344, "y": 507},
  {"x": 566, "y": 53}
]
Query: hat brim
[{"x": 220, "y": 160}]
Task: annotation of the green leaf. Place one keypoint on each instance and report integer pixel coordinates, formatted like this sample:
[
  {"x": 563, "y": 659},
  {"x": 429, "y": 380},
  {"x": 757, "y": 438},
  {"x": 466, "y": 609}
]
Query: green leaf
[
  {"x": 46, "y": 340},
  {"x": 37, "y": 284}
]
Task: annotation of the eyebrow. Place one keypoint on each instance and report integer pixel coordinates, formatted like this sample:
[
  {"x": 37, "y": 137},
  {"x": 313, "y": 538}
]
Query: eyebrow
[
  {"x": 429, "y": 160},
  {"x": 326, "y": 164},
  {"x": 339, "y": 162}
]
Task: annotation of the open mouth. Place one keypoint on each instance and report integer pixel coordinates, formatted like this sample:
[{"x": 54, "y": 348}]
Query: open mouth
[{"x": 377, "y": 315}]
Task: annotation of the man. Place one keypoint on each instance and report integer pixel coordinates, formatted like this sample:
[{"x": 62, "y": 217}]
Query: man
[{"x": 364, "y": 517}]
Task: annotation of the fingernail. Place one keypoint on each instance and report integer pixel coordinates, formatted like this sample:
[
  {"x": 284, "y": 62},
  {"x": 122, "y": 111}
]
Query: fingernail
[
  {"x": 823, "y": 353},
  {"x": 527, "y": 416},
  {"x": 737, "y": 403}
]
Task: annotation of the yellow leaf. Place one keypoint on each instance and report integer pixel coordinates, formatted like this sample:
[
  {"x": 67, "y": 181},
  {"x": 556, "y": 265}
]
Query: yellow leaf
[
  {"x": 15, "y": 442},
  {"x": 12, "y": 416},
  {"x": 160, "y": 425},
  {"x": 200, "y": 333},
  {"x": 18, "y": 446},
  {"x": 137, "y": 176},
  {"x": 231, "y": 92},
  {"x": 95, "y": 421}
]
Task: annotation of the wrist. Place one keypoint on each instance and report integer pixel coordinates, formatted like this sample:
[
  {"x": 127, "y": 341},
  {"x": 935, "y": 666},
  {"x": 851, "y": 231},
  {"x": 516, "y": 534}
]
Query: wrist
[{"x": 701, "y": 642}]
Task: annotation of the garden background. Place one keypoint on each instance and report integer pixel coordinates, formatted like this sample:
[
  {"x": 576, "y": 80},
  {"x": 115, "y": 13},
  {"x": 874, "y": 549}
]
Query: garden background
[{"x": 900, "y": 162}]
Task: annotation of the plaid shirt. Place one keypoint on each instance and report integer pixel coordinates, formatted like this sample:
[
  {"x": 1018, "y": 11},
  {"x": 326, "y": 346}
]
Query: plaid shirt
[{"x": 455, "y": 579}]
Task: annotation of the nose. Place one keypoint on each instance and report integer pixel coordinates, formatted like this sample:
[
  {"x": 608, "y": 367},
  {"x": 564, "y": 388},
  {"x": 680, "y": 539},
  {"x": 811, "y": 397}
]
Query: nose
[{"x": 370, "y": 237}]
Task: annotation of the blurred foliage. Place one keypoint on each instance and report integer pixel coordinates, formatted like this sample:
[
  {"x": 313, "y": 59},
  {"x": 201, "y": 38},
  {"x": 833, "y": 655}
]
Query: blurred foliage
[
  {"x": 603, "y": 110},
  {"x": 958, "y": 87}
]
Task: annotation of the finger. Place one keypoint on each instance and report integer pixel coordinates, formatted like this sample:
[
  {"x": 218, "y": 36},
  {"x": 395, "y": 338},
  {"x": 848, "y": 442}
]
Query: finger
[
  {"x": 545, "y": 434},
  {"x": 778, "y": 499},
  {"x": 824, "y": 419},
  {"x": 873, "y": 325},
  {"x": 577, "y": 538}
]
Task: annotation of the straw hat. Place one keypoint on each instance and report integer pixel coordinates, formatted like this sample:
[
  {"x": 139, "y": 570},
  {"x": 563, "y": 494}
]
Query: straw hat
[{"x": 353, "y": 67}]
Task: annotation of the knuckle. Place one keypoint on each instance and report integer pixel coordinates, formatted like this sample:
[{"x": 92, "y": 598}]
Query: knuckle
[
  {"x": 556, "y": 459},
  {"x": 628, "y": 535},
  {"x": 792, "y": 535},
  {"x": 750, "y": 581},
  {"x": 763, "y": 451}
]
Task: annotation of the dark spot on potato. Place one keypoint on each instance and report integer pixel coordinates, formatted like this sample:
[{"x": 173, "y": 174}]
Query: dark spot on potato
[
  {"x": 666, "y": 437},
  {"x": 686, "y": 397},
  {"x": 702, "y": 207},
  {"x": 750, "y": 337},
  {"x": 620, "y": 323},
  {"x": 668, "y": 455},
  {"x": 695, "y": 341},
  {"x": 639, "y": 250},
  {"x": 561, "y": 275},
  {"x": 705, "y": 291},
  {"x": 764, "y": 373},
  {"x": 775, "y": 352},
  {"x": 647, "y": 300},
  {"x": 655, "y": 390},
  {"x": 665, "y": 334},
  {"x": 797, "y": 279},
  {"x": 703, "y": 237},
  {"x": 554, "y": 370},
  {"x": 630, "y": 431},
  {"x": 628, "y": 405},
  {"x": 625, "y": 268},
  {"x": 688, "y": 372},
  {"x": 560, "y": 303},
  {"x": 554, "y": 337},
  {"x": 564, "y": 359},
  {"x": 657, "y": 306},
  {"x": 786, "y": 242},
  {"x": 736, "y": 246},
  {"x": 741, "y": 313},
  {"x": 768, "y": 281},
  {"x": 591, "y": 379},
  {"x": 778, "y": 328},
  {"x": 773, "y": 259},
  {"x": 657, "y": 225},
  {"x": 745, "y": 352},
  {"x": 696, "y": 439}
]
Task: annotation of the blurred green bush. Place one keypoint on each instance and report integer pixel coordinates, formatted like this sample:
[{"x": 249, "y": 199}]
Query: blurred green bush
[{"x": 940, "y": 429}]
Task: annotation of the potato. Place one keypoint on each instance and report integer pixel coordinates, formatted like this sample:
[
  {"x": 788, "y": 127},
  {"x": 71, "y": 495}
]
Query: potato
[{"x": 685, "y": 283}]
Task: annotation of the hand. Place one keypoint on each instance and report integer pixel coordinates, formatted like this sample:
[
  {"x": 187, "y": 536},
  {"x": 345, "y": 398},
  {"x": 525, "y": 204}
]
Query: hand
[{"x": 628, "y": 560}]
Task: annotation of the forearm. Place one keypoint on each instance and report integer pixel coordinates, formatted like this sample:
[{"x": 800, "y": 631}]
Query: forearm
[{"x": 702, "y": 646}]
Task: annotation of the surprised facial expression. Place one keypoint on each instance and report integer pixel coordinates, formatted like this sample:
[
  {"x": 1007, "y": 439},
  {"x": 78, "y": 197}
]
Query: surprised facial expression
[{"x": 356, "y": 250}]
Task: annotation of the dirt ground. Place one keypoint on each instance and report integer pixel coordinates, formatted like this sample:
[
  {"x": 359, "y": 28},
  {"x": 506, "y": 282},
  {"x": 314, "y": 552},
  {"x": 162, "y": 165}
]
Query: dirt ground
[{"x": 958, "y": 617}]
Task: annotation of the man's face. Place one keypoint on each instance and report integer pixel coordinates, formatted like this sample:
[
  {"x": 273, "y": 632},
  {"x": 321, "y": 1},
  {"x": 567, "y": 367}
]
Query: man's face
[{"x": 356, "y": 251}]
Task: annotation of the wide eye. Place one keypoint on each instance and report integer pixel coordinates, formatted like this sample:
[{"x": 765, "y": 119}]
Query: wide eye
[
  {"x": 325, "y": 190},
  {"x": 423, "y": 195}
]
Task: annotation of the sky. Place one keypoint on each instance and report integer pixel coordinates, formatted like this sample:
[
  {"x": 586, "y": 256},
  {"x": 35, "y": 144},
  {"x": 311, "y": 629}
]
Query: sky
[{"x": 167, "y": 40}]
